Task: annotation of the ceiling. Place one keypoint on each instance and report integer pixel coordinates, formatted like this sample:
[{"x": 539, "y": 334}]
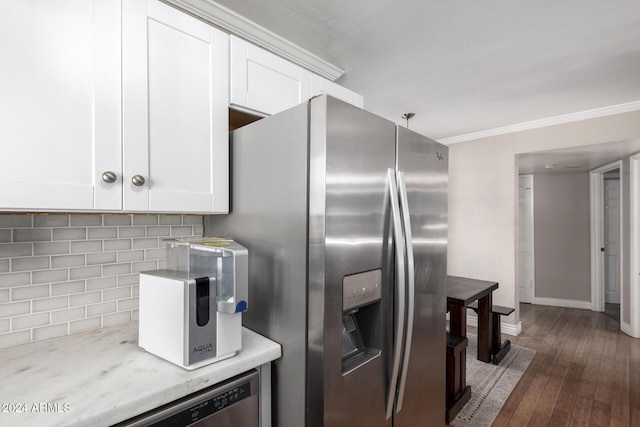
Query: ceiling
[
  {"x": 468, "y": 66},
  {"x": 576, "y": 159}
]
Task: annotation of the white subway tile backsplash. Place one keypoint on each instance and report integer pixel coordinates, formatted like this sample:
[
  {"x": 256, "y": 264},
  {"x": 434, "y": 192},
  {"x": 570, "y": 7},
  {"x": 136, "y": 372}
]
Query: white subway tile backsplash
[
  {"x": 31, "y": 234},
  {"x": 150, "y": 254},
  {"x": 49, "y": 276},
  {"x": 128, "y": 232},
  {"x": 30, "y": 263},
  {"x": 86, "y": 246},
  {"x": 61, "y": 316},
  {"x": 5, "y": 235},
  {"x": 127, "y": 304},
  {"x": 117, "y": 245},
  {"x": 11, "y": 250},
  {"x": 137, "y": 267},
  {"x": 14, "y": 279},
  {"x": 64, "y": 273},
  {"x": 128, "y": 256},
  {"x": 46, "y": 332},
  {"x": 116, "y": 269},
  {"x": 116, "y": 318},
  {"x": 117, "y": 220},
  {"x": 102, "y": 308},
  {"x": 67, "y": 288},
  {"x": 14, "y": 309},
  {"x": 192, "y": 220},
  {"x": 135, "y": 315},
  {"x": 69, "y": 233},
  {"x": 85, "y": 272},
  {"x": 29, "y": 292},
  {"x": 86, "y": 220},
  {"x": 117, "y": 293},
  {"x": 185, "y": 230},
  {"x": 85, "y": 298},
  {"x": 145, "y": 220},
  {"x": 160, "y": 231},
  {"x": 16, "y": 221},
  {"x": 101, "y": 283},
  {"x": 129, "y": 280},
  {"x": 49, "y": 304},
  {"x": 50, "y": 248},
  {"x": 84, "y": 325},
  {"x": 29, "y": 321},
  {"x": 51, "y": 220},
  {"x": 67, "y": 261},
  {"x": 101, "y": 258},
  {"x": 14, "y": 338},
  {"x": 170, "y": 220},
  {"x": 102, "y": 233},
  {"x": 145, "y": 243}
]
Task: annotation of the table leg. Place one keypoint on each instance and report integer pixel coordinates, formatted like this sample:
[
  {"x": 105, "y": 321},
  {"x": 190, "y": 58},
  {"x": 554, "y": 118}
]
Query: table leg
[
  {"x": 484, "y": 328},
  {"x": 458, "y": 320}
]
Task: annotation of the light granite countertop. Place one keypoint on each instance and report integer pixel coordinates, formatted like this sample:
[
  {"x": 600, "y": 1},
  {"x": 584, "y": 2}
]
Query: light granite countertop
[{"x": 102, "y": 377}]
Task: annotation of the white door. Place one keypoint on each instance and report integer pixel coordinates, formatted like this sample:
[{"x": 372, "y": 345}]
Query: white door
[
  {"x": 175, "y": 120},
  {"x": 526, "y": 279},
  {"x": 60, "y": 105},
  {"x": 612, "y": 240},
  {"x": 263, "y": 82}
]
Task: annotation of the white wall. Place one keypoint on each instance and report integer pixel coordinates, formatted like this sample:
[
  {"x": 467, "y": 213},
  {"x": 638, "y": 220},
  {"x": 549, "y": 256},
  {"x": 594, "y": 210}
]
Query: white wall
[{"x": 482, "y": 195}]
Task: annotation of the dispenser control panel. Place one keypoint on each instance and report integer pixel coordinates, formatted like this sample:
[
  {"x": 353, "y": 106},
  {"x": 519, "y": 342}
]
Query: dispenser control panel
[{"x": 361, "y": 289}]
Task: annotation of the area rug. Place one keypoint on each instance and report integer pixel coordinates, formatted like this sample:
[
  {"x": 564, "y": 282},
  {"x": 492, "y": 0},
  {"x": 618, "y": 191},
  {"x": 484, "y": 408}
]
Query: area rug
[{"x": 490, "y": 384}]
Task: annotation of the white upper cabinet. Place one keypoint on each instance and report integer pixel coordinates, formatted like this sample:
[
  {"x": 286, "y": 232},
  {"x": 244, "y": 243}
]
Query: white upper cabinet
[
  {"x": 321, "y": 86},
  {"x": 60, "y": 104},
  {"x": 263, "y": 82},
  {"x": 175, "y": 103}
]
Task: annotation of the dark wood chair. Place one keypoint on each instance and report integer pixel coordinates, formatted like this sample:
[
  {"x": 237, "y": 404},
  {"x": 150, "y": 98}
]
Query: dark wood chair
[{"x": 457, "y": 391}]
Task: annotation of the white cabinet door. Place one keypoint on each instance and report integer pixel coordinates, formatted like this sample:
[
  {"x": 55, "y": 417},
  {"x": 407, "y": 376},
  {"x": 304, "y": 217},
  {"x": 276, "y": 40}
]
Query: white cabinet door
[
  {"x": 263, "y": 82},
  {"x": 175, "y": 111},
  {"x": 320, "y": 86},
  {"x": 60, "y": 104}
]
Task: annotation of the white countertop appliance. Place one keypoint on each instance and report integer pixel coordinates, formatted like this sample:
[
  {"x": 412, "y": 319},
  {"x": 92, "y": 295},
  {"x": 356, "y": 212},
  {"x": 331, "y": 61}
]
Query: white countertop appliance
[{"x": 191, "y": 312}]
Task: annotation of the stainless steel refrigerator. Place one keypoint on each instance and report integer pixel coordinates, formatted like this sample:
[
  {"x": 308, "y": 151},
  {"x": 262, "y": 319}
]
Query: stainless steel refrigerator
[{"x": 344, "y": 215}]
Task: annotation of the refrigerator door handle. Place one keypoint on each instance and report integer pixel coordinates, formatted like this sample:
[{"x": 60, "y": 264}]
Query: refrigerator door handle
[
  {"x": 411, "y": 289},
  {"x": 399, "y": 290}
]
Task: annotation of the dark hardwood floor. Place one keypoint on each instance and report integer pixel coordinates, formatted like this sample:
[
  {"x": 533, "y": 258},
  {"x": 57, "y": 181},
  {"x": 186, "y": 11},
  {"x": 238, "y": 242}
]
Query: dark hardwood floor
[{"x": 585, "y": 371}]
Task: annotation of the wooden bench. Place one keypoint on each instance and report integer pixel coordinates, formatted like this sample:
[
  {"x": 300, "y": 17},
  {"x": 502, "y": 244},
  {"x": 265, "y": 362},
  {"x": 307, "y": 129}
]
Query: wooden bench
[
  {"x": 499, "y": 349},
  {"x": 457, "y": 391}
]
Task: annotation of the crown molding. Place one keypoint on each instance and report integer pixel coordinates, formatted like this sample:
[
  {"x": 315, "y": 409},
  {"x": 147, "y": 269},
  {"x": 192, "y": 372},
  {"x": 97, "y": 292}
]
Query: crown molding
[
  {"x": 229, "y": 21},
  {"x": 551, "y": 121}
]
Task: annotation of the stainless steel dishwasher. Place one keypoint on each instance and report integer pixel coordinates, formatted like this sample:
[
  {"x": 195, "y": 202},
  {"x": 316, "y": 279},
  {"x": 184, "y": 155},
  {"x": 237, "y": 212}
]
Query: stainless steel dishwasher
[{"x": 233, "y": 403}]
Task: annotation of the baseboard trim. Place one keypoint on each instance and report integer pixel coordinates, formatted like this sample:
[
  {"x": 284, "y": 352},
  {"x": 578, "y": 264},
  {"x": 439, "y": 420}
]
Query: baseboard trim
[
  {"x": 505, "y": 328},
  {"x": 567, "y": 303}
]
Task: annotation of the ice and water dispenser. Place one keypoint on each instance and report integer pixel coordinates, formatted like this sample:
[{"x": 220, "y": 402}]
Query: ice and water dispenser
[
  {"x": 191, "y": 312},
  {"x": 361, "y": 319}
]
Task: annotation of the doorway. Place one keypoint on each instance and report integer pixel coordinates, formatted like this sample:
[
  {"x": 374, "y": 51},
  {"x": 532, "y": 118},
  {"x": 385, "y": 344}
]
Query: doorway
[
  {"x": 612, "y": 216},
  {"x": 606, "y": 239},
  {"x": 526, "y": 277}
]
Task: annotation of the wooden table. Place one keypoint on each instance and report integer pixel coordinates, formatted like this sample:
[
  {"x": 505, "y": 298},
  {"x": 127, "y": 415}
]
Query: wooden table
[{"x": 461, "y": 292}]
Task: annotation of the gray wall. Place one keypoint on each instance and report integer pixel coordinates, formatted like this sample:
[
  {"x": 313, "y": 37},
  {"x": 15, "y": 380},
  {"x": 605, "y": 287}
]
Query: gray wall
[{"x": 562, "y": 236}]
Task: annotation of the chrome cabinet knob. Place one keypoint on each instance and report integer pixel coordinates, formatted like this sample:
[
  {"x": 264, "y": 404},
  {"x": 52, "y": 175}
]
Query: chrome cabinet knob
[
  {"x": 138, "y": 180},
  {"x": 109, "y": 177}
]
